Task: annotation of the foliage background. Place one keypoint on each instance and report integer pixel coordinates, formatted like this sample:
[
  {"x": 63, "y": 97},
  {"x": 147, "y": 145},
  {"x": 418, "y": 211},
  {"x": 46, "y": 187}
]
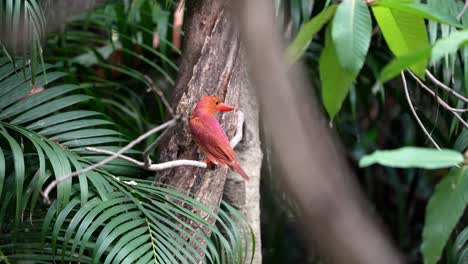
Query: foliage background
[{"x": 98, "y": 64}]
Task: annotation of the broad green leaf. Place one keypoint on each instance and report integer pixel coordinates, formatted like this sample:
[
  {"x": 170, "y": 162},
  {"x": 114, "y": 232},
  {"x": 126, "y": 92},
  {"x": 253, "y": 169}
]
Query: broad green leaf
[
  {"x": 351, "y": 33},
  {"x": 334, "y": 78},
  {"x": 307, "y": 33},
  {"x": 404, "y": 33},
  {"x": 443, "y": 212},
  {"x": 413, "y": 157},
  {"x": 399, "y": 64},
  {"x": 449, "y": 45},
  {"x": 439, "y": 50},
  {"x": 421, "y": 10}
]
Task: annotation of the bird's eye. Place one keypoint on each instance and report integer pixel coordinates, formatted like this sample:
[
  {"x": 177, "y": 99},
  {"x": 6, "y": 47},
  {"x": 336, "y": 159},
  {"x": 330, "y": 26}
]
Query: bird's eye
[{"x": 217, "y": 102}]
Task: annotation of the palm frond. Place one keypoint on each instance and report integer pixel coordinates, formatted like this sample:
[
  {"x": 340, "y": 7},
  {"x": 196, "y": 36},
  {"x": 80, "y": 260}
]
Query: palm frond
[{"x": 102, "y": 216}]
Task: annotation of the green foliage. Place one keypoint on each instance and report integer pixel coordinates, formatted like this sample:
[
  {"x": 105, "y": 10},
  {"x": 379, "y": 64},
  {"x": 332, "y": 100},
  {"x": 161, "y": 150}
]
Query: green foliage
[
  {"x": 414, "y": 157},
  {"x": 444, "y": 210},
  {"x": 336, "y": 80},
  {"x": 306, "y": 34},
  {"x": 351, "y": 34},
  {"x": 449, "y": 45},
  {"x": 402, "y": 27},
  {"x": 420, "y": 10},
  {"x": 404, "y": 33},
  {"x": 436, "y": 52},
  {"x": 411, "y": 60},
  {"x": 102, "y": 216}
]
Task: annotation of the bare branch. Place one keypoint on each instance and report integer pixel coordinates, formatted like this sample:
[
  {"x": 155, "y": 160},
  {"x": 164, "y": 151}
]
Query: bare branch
[
  {"x": 146, "y": 153},
  {"x": 442, "y": 102},
  {"x": 151, "y": 167},
  {"x": 161, "y": 95},
  {"x": 120, "y": 156},
  {"x": 147, "y": 161},
  {"x": 175, "y": 163},
  {"x": 445, "y": 87},
  {"x": 408, "y": 98},
  {"x": 130, "y": 145}
]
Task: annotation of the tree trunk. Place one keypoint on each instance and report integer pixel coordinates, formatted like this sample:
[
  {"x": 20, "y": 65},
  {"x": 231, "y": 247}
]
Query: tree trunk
[
  {"x": 210, "y": 65},
  {"x": 245, "y": 196}
]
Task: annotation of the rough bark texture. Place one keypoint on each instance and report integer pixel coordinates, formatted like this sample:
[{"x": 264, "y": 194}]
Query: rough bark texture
[
  {"x": 246, "y": 196},
  {"x": 210, "y": 66}
]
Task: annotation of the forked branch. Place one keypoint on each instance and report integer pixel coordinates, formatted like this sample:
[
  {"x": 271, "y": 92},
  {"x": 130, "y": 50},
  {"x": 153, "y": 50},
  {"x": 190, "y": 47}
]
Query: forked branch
[
  {"x": 410, "y": 104},
  {"x": 146, "y": 164}
]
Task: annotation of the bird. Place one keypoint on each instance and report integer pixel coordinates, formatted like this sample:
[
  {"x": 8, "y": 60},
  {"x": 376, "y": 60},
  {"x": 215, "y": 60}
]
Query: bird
[{"x": 210, "y": 137}]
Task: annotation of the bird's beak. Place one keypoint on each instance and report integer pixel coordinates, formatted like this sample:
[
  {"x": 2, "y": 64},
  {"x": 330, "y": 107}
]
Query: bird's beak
[{"x": 224, "y": 107}]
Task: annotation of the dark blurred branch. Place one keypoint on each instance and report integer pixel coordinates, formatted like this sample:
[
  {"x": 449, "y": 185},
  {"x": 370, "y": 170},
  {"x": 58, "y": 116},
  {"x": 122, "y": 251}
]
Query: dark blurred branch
[
  {"x": 32, "y": 23},
  {"x": 57, "y": 12},
  {"x": 334, "y": 215}
]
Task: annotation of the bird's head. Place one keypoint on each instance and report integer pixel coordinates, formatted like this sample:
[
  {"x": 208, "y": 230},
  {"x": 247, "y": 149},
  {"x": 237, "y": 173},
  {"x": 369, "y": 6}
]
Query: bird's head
[{"x": 211, "y": 105}]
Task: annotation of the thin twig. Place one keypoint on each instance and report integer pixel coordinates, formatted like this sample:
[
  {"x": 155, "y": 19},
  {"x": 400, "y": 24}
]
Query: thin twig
[
  {"x": 161, "y": 95},
  {"x": 146, "y": 153},
  {"x": 445, "y": 87},
  {"x": 130, "y": 145},
  {"x": 442, "y": 102},
  {"x": 408, "y": 98},
  {"x": 151, "y": 167},
  {"x": 147, "y": 165}
]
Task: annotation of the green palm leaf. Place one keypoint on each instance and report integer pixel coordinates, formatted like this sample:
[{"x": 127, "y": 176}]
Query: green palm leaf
[{"x": 97, "y": 217}]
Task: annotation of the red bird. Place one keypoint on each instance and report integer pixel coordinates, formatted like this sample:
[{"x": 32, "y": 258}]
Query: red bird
[{"x": 209, "y": 135}]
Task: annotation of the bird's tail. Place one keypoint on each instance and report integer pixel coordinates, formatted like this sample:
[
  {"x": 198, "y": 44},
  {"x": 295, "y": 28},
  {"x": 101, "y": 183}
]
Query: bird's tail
[{"x": 239, "y": 170}]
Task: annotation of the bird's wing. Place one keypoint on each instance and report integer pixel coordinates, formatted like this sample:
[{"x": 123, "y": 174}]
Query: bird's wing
[{"x": 210, "y": 137}]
